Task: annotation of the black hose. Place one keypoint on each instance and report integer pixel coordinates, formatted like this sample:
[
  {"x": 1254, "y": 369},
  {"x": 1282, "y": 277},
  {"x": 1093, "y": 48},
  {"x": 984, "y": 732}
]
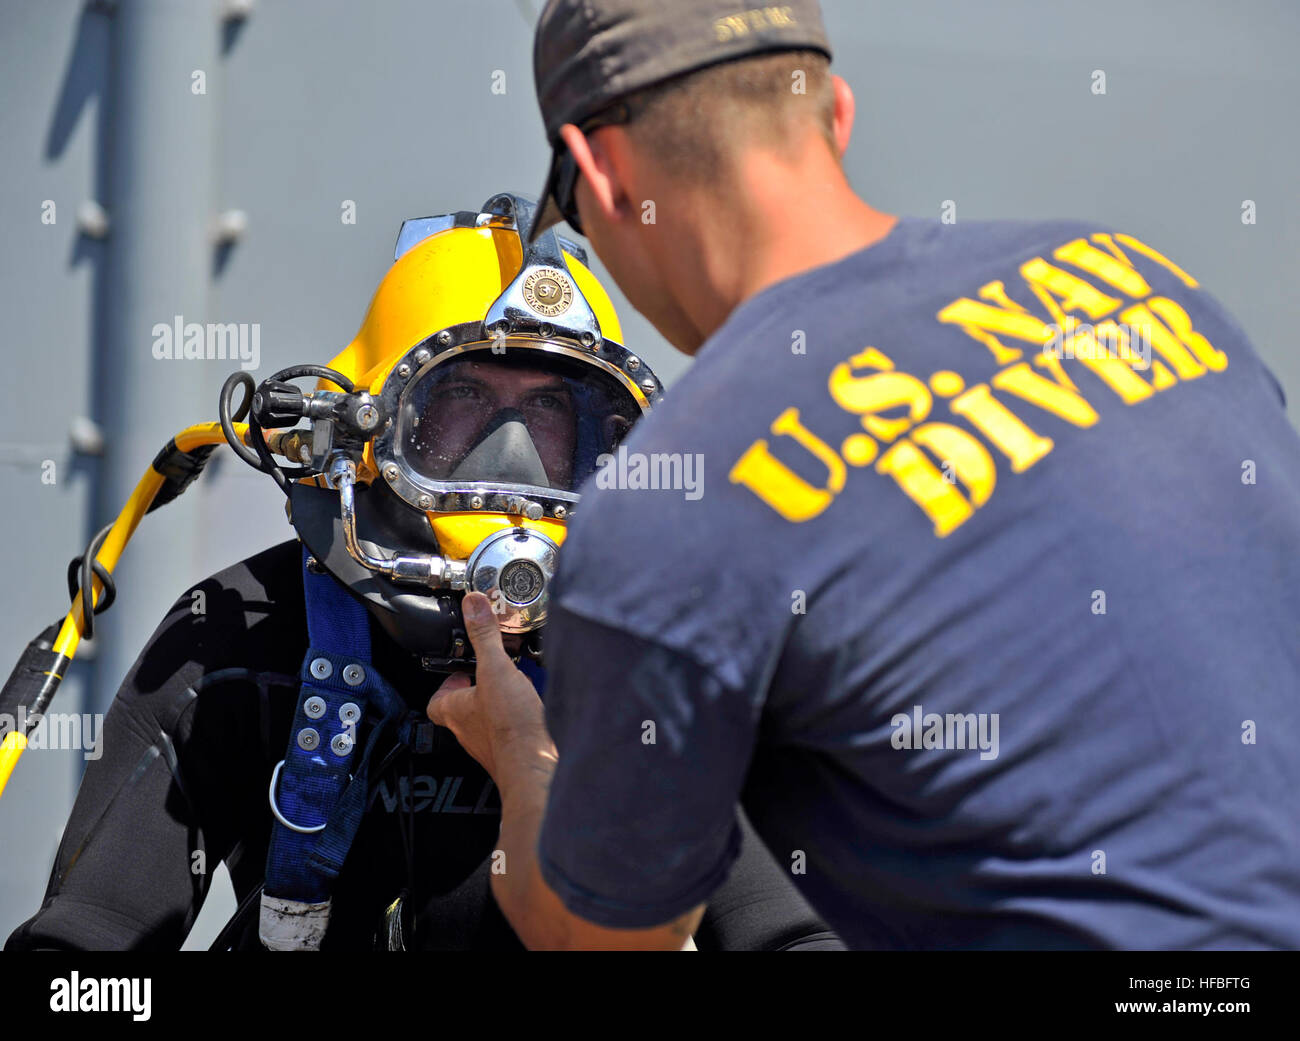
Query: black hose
[
  {"x": 297, "y": 372},
  {"x": 228, "y": 420},
  {"x": 266, "y": 462},
  {"x": 89, "y": 569}
]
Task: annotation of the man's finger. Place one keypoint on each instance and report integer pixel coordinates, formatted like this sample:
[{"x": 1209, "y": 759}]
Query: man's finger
[
  {"x": 484, "y": 633},
  {"x": 437, "y": 709}
]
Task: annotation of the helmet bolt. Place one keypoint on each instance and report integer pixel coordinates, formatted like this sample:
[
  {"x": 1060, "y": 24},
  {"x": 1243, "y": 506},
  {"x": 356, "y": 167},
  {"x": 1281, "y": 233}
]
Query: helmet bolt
[
  {"x": 545, "y": 329},
  {"x": 422, "y": 356},
  {"x": 633, "y": 363},
  {"x": 444, "y": 338},
  {"x": 426, "y": 502},
  {"x": 476, "y": 502},
  {"x": 367, "y": 417},
  {"x": 403, "y": 371},
  {"x": 560, "y": 512},
  {"x": 647, "y": 384},
  {"x": 390, "y": 472},
  {"x": 587, "y": 339}
]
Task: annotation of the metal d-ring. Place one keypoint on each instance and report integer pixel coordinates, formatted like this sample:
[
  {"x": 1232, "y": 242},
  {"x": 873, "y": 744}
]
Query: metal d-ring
[{"x": 275, "y": 777}]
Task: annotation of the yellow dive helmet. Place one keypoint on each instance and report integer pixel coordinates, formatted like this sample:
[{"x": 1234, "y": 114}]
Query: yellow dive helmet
[{"x": 449, "y": 438}]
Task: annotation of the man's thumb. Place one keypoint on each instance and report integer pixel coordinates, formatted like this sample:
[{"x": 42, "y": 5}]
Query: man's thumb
[{"x": 484, "y": 633}]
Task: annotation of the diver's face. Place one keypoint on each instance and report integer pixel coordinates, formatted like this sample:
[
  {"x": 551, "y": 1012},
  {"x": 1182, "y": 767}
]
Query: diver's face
[{"x": 460, "y": 407}]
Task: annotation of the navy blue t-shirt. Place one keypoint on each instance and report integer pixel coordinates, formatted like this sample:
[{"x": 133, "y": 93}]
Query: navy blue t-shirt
[{"x": 970, "y": 565}]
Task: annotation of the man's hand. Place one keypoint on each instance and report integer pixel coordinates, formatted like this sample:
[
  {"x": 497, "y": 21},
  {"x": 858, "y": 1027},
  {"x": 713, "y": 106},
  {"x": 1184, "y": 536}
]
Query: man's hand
[{"x": 499, "y": 719}]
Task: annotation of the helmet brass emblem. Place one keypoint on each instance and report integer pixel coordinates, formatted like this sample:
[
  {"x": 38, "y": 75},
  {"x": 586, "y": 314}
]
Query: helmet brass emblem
[{"x": 548, "y": 291}]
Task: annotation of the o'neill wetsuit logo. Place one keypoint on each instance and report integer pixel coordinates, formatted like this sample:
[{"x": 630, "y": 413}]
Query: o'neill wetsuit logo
[
  {"x": 101, "y": 995},
  {"x": 425, "y": 794}
]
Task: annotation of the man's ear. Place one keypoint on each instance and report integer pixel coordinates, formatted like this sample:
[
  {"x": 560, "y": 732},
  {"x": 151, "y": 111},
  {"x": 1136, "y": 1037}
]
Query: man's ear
[
  {"x": 597, "y": 168},
  {"x": 845, "y": 107}
]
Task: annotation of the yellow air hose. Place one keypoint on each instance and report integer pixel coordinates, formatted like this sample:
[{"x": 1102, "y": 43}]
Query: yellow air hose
[{"x": 42, "y": 668}]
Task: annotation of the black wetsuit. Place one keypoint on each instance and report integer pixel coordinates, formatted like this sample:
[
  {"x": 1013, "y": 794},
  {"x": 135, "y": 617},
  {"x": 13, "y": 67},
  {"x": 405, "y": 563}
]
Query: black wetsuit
[{"x": 188, "y": 749}]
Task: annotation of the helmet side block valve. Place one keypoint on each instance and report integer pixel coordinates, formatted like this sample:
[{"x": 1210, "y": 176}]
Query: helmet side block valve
[{"x": 358, "y": 415}]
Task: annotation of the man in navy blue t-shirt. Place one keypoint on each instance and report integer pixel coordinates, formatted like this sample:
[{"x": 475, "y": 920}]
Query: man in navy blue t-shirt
[{"x": 966, "y": 556}]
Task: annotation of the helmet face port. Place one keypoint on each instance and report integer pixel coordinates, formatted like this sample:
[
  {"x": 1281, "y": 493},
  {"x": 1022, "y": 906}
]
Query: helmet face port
[{"x": 526, "y": 419}]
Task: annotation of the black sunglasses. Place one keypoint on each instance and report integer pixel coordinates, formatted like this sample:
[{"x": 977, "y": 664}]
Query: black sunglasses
[{"x": 566, "y": 180}]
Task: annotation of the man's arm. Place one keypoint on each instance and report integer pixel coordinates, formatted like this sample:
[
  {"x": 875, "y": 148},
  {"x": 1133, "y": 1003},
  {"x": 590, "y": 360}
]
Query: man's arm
[
  {"x": 533, "y": 908},
  {"x": 500, "y": 723}
]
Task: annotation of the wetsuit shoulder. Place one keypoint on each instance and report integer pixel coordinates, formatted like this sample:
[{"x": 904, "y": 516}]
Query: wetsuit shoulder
[
  {"x": 758, "y": 907},
  {"x": 181, "y": 765}
]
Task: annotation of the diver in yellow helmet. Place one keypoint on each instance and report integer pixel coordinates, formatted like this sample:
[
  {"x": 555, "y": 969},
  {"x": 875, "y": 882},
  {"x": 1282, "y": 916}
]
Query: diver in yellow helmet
[
  {"x": 453, "y": 462},
  {"x": 442, "y": 450}
]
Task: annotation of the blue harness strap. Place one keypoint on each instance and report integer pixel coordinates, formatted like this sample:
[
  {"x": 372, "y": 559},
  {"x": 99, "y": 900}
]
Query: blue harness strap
[
  {"x": 319, "y": 795},
  {"x": 318, "y": 792},
  {"x": 535, "y": 672}
]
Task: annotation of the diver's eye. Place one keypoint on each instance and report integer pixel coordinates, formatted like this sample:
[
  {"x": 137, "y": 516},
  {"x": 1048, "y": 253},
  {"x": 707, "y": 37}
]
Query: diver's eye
[
  {"x": 551, "y": 401},
  {"x": 459, "y": 392}
]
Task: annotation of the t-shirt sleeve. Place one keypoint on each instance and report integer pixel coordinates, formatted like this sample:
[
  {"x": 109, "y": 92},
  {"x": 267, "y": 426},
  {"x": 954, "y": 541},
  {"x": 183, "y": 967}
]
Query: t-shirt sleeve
[{"x": 653, "y": 749}]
